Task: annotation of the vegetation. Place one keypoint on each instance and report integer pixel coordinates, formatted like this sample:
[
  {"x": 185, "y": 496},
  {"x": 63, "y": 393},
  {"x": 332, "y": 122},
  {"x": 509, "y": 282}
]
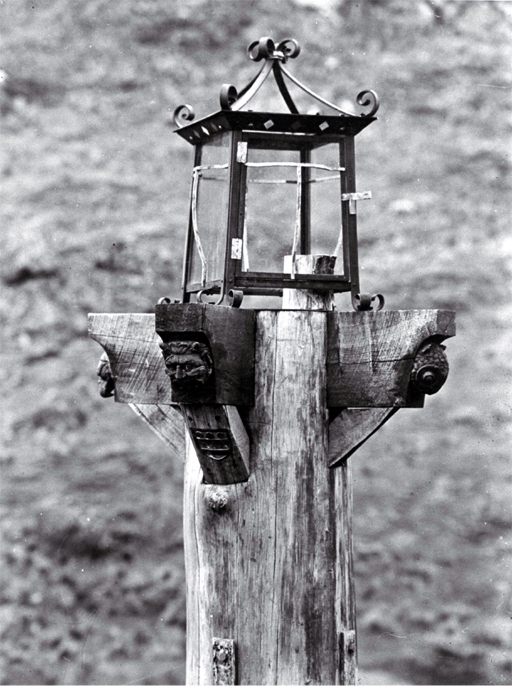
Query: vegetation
[{"x": 93, "y": 214}]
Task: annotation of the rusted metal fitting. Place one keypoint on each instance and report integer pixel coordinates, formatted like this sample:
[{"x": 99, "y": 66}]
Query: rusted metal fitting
[{"x": 224, "y": 665}]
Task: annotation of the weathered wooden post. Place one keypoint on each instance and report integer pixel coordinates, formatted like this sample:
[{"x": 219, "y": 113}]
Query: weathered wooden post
[{"x": 271, "y": 402}]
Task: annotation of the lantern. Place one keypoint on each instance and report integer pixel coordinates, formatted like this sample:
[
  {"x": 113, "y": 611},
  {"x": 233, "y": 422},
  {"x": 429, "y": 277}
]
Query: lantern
[{"x": 266, "y": 185}]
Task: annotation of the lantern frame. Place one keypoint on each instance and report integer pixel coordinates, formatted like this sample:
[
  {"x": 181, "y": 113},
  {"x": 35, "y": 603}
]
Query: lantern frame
[{"x": 303, "y": 133}]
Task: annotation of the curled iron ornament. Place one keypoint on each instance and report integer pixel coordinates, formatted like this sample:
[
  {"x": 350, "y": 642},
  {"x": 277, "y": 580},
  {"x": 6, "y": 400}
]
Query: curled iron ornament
[
  {"x": 368, "y": 97},
  {"x": 261, "y": 49},
  {"x": 274, "y": 57},
  {"x": 228, "y": 96},
  {"x": 182, "y": 115},
  {"x": 362, "y": 302},
  {"x": 265, "y": 48},
  {"x": 290, "y": 48}
]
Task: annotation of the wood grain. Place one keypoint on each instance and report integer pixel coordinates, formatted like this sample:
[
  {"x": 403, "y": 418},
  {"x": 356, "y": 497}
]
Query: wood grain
[
  {"x": 370, "y": 355},
  {"x": 271, "y": 567},
  {"x": 132, "y": 346},
  {"x": 221, "y": 442},
  {"x": 262, "y": 570},
  {"x": 302, "y": 299},
  {"x": 229, "y": 332}
]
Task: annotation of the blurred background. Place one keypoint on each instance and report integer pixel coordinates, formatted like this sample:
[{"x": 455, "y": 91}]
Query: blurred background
[{"x": 94, "y": 189}]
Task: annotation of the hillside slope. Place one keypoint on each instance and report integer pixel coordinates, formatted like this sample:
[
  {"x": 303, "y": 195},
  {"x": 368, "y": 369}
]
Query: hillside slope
[{"x": 93, "y": 214}]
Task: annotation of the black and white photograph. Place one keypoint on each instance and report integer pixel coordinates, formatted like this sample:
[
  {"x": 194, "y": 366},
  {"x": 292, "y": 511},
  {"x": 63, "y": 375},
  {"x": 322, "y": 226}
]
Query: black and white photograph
[{"x": 256, "y": 342}]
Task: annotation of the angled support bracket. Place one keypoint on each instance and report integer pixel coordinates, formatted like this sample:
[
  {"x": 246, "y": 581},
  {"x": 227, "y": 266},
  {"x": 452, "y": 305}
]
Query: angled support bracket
[
  {"x": 208, "y": 354},
  {"x": 220, "y": 441},
  {"x": 377, "y": 362}
]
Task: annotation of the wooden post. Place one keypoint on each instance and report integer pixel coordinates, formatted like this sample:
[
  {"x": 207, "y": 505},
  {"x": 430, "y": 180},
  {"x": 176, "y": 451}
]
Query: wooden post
[
  {"x": 343, "y": 606},
  {"x": 269, "y": 561}
]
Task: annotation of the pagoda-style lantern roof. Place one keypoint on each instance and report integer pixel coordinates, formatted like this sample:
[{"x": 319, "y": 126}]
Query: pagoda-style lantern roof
[
  {"x": 231, "y": 116},
  {"x": 244, "y": 214},
  {"x": 314, "y": 125}
]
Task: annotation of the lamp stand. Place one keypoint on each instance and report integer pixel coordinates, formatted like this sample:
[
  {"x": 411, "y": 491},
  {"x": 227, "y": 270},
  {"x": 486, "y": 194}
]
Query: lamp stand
[{"x": 270, "y": 588}]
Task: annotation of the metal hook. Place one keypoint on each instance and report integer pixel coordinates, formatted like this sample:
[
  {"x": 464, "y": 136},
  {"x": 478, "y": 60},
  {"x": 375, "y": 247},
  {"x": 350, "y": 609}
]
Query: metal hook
[
  {"x": 362, "y": 302},
  {"x": 235, "y": 298}
]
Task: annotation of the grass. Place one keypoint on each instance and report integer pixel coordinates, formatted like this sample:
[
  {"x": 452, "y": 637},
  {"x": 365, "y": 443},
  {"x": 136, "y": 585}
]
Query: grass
[{"x": 93, "y": 212}]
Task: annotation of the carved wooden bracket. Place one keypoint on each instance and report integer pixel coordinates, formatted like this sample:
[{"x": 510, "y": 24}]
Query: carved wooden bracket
[
  {"x": 376, "y": 362},
  {"x": 217, "y": 365},
  {"x": 409, "y": 376},
  {"x": 134, "y": 359},
  {"x": 209, "y": 358},
  {"x": 370, "y": 355},
  {"x": 220, "y": 441}
]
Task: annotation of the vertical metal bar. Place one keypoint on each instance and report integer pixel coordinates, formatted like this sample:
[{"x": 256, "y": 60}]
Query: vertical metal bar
[
  {"x": 246, "y": 266},
  {"x": 349, "y": 221},
  {"x": 234, "y": 228},
  {"x": 236, "y": 212},
  {"x": 189, "y": 242},
  {"x": 305, "y": 234},
  {"x": 344, "y": 206}
]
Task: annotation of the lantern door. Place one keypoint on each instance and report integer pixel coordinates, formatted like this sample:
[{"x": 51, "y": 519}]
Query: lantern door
[{"x": 290, "y": 203}]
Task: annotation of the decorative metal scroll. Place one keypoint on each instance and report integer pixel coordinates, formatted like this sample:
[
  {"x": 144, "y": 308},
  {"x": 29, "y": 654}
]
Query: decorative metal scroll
[{"x": 275, "y": 56}]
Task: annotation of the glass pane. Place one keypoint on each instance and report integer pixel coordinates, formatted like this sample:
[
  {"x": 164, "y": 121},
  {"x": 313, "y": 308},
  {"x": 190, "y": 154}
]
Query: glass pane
[
  {"x": 217, "y": 150},
  {"x": 211, "y": 190},
  {"x": 326, "y": 204},
  {"x": 270, "y": 210}
]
